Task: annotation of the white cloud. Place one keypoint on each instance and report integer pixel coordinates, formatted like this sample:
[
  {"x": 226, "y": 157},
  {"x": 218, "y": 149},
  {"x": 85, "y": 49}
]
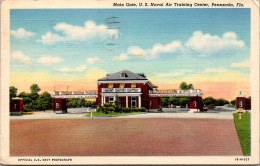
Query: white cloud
[
  {"x": 206, "y": 44},
  {"x": 121, "y": 57},
  {"x": 77, "y": 69},
  {"x": 215, "y": 70},
  {"x": 22, "y": 34},
  {"x": 157, "y": 49},
  {"x": 47, "y": 60},
  {"x": 172, "y": 47},
  {"x": 245, "y": 64},
  {"x": 94, "y": 60},
  {"x": 78, "y": 33},
  {"x": 136, "y": 51},
  {"x": 19, "y": 57}
]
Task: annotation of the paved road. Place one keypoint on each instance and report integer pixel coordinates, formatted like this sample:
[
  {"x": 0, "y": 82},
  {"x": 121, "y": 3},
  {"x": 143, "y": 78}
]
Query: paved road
[{"x": 124, "y": 137}]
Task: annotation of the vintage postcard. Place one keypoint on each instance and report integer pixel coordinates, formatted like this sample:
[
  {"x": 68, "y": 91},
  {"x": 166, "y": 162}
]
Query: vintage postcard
[{"x": 129, "y": 82}]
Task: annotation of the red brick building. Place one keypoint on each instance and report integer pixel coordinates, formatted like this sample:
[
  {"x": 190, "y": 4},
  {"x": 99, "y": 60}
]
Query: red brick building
[
  {"x": 242, "y": 102},
  {"x": 131, "y": 88},
  {"x": 16, "y": 105},
  {"x": 59, "y": 104}
]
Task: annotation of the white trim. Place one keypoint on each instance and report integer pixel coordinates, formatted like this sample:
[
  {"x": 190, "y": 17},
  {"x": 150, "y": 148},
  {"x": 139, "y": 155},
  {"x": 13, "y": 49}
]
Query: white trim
[
  {"x": 111, "y": 101},
  {"x": 139, "y": 101},
  {"x": 240, "y": 104},
  {"x": 193, "y": 110},
  {"x": 120, "y": 94},
  {"x": 124, "y": 81},
  {"x": 126, "y": 101},
  {"x": 150, "y": 84},
  {"x": 174, "y": 94},
  {"x": 74, "y": 96}
]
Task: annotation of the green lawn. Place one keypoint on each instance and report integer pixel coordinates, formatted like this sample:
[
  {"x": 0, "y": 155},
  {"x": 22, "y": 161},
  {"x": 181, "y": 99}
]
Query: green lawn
[
  {"x": 243, "y": 131},
  {"x": 19, "y": 114},
  {"x": 100, "y": 114},
  {"x": 232, "y": 106}
]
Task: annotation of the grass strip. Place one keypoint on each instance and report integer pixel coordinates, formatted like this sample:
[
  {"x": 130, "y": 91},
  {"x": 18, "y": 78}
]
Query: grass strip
[
  {"x": 243, "y": 131},
  {"x": 100, "y": 114}
]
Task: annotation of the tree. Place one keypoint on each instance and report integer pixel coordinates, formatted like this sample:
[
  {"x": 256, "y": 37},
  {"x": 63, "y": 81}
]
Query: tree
[
  {"x": 81, "y": 103},
  {"x": 26, "y": 97},
  {"x": 174, "y": 101},
  {"x": 165, "y": 102},
  {"x": 209, "y": 100},
  {"x": 118, "y": 106},
  {"x": 185, "y": 86},
  {"x": 233, "y": 102},
  {"x": 44, "y": 101},
  {"x": 184, "y": 101},
  {"x": 190, "y": 86},
  {"x": 35, "y": 88},
  {"x": 12, "y": 92},
  {"x": 221, "y": 102}
]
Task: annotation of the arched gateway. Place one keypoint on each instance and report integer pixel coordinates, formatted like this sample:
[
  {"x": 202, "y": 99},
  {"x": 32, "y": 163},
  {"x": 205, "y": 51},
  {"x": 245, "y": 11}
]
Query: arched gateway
[{"x": 132, "y": 89}]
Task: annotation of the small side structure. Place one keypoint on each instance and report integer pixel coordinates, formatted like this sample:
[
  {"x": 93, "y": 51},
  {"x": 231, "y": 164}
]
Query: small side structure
[
  {"x": 59, "y": 104},
  {"x": 243, "y": 103},
  {"x": 196, "y": 103},
  {"x": 16, "y": 105}
]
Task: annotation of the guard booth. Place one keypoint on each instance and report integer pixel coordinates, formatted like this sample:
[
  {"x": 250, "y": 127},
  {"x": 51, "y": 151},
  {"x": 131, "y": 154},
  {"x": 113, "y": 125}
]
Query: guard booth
[
  {"x": 196, "y": 103},
  {"x": 16, "y": 105},
  {"x": 59, "y": 104},
  {"x": 243, "y": 103}
]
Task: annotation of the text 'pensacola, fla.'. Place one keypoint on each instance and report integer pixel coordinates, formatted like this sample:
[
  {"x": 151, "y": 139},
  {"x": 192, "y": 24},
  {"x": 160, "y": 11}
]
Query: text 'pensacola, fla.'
[{"x": 177, "y": 4}]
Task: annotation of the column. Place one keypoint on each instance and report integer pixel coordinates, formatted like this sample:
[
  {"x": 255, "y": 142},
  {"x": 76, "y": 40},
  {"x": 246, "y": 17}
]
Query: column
[
  {"x": 102, "y": 100},
  {"x": 139, "y": 101},
  {"x": 126, "y": 101},
  {"x": 114, "y": 98}
]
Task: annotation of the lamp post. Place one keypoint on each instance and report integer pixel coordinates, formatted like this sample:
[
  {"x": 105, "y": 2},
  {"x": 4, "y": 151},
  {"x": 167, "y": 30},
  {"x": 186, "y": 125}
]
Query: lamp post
[{"x": 240, "y": 113}]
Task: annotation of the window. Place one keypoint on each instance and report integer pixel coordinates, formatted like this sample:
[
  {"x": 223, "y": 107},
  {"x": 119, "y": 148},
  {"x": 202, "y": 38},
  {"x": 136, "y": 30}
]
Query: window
[
  {"x": 122, "y": 85},
  {"x": 123, "y": 74},
  {"x": 110, "y": 85},
  {"x": 240, "y": 104},
  {"x": 194, "y": 103},
  {"x": 57, "y": 105},
  {"x": 133, "y": 102},
  {"x": 14, "y": 106},
  {"x": 111, "y": 99},
  {"x": 133, "y": 85}
]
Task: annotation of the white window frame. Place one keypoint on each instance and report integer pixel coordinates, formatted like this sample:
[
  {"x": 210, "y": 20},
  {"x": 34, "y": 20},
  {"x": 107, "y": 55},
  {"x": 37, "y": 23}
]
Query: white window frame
[
  {"x": 57, "y": 105},
  {"x": 133, "y": 101},
  {"x": 194, "y": 103},
  {"x": 240, "y": 104},
  {"x": 123, "y": 75},
  {"x": 111, "y": 101}
]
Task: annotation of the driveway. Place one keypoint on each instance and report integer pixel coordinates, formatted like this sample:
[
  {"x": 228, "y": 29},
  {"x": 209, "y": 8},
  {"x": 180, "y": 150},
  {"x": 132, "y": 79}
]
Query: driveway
[{"x": 124, "y": 137}]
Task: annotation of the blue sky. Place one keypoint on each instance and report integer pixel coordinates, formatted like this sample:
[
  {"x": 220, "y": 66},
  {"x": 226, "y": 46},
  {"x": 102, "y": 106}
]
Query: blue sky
[{"x": 162, "y": 43}]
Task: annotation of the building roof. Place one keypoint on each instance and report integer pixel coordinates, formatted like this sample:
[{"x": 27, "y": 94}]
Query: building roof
[
  {"x": 123, "y": 75},
  {"x": 241, "y": 94}
]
